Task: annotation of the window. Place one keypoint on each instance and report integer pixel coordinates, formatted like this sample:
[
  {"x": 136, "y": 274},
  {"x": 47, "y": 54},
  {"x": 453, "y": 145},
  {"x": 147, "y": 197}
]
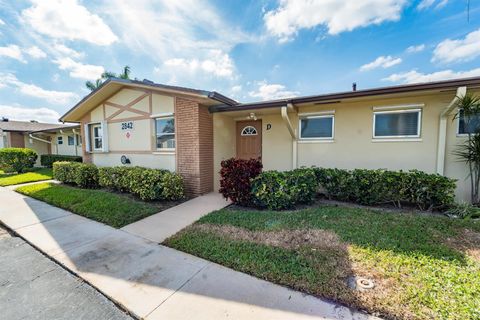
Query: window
[
  {"x": 71, "y": 140},
  {"x": 397, "y": 124},
  {"x": 249, "y": 131},
  {"x": 97, "y": 136},
  {"x": 165, "y": 132},
  {"x": 317, "y": 127},
  {"x": 468, "y": 125},
  {"x": 78, "y": 139},
  {"x": 59, "y": 140}
]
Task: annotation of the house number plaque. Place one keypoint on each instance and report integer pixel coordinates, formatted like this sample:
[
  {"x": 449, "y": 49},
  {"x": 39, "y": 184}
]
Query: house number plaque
[{"x": 127, "y": 125}]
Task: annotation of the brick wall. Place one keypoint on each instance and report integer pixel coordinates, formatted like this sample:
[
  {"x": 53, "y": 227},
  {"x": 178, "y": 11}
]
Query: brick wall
[
  {"x": 194, "y": 138},
  {"x": 87, "y": 157}
]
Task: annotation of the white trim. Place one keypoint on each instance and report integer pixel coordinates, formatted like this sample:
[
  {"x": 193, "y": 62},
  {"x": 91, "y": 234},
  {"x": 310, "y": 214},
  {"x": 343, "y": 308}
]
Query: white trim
[
  {"x": 398, "y": 140},
  {"x": 171, "y": 115},
  {"x": 316, "y": 141},
  {"x": 419, "y": 124},
  {"x": 169, "y": 151},
  {"x": 305, "y": 114},
  {"x": 399, "y": 107},
  {"x": 93, "y": 125},
  {"x": 255, "y": 133},
  {"x": 458, "y": 134},
  {"x": 162, "y": 115},
  {"x": 332, "y": 136}
]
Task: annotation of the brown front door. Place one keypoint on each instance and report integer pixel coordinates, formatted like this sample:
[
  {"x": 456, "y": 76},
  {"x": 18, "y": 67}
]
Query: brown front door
[{"x": 249, "y": 139}]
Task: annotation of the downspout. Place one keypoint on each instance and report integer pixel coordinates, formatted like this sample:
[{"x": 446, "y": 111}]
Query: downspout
[
  {"x": 293, "y": 134},
  {"x": 442, "y": 130},
  {"x": 39, "y": 139},
  {"x": 75, "y": 140}
]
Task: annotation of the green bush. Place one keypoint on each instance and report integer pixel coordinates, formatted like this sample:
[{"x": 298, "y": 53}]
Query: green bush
[
  {"x": 464, "y": 210},
  {"x": 17, "y": 159},
  {"x": 281, "y": 190},
  {"x": 172, "y": 186},
  {"x": 86, "y": 175},
  {"x": 373, "y": 187},
  {"x": 47, "y": 160},
  {"x": 65, "y": 171}
]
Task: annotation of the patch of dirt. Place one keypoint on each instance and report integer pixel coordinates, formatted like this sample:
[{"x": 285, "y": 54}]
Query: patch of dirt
[{"x": 468, "y": 241}]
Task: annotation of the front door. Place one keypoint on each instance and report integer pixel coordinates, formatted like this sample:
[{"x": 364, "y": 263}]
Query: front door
[{"x": 249, "y": 139}]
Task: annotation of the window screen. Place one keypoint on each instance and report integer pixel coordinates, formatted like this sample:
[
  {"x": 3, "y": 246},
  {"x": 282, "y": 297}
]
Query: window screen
[
  {"x": 468, "y": 125},
  {"x": 397, "y": 124},
  {"x": 316, "y": 127}
]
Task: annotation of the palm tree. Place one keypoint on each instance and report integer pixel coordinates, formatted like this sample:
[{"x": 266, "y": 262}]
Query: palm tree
[{"x": 125, "y": 74}]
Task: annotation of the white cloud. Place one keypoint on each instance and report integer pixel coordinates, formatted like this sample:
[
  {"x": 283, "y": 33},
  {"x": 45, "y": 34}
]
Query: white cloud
[
  {"x": 414, "y": 76},
  {"x": 458, "y": 50},
  {"x": 2, "y": 23},
  {"x": 26, "y": 114},
  {"x": 12, "y": 51},
  {"x": 336, "y": 15},
  {"x": 236, "y": 89},
  {"x": 67, "y": 19},
  {"x": 381, "y": 62},
  {"x": 267, "y": 91},
  {"x": 425, "y": 4},
  {"x": 189, "y": 34},
  {"x": 52, "y": 96},
  {"x": 415, "y": 49},
  {"x": 218, "y": 64},
  {"x": 62, "y": 50},
  {"x": 79, "y": 70},
  {"x": 35, "y": 52}
]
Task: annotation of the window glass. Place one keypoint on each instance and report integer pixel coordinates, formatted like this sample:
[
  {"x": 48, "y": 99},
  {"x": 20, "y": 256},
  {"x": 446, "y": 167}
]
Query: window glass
[
  {"x": 71, "y": 141},
  {"x": 165, "y": 133},
  {"x": 316, "y": 127},
  {"x": 468, "y": 125},
  {"x": 59, "y": 140},
  {"x": 397, "y": 124},
  {"x": 97, "y": 137}
]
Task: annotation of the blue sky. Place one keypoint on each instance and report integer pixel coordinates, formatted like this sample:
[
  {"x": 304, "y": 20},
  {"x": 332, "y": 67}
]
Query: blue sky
[{"x": 248, "y": 50}]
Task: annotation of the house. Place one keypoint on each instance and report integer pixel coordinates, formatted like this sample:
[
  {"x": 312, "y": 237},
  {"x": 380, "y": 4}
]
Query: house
[
  {"x": 191, "y": 131},
  {"x": 44, "y": 138}
]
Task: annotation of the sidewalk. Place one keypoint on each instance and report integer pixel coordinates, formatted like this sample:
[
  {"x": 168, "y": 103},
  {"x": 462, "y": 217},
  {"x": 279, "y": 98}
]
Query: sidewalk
[{"x": 153, "y": 281}]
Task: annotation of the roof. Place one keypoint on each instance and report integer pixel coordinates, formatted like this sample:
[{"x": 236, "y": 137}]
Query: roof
[
  {"x": 336, "y": 97},
  {"x": 113, "y": 85},
  {"x": 27, "y": 126}
]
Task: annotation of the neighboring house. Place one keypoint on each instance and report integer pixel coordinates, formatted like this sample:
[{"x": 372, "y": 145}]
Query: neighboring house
[
  {"x": 192, "y": 131},
  {"x": 44, "y": 138}
]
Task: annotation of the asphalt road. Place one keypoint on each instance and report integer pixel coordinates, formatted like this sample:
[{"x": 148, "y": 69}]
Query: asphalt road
[{"x": 34, "y": 287}]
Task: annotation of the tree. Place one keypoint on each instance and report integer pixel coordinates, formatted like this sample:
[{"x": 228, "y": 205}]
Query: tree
[
  {"x": 468, "y": 106},
  {"x": 125, "y": 74}
]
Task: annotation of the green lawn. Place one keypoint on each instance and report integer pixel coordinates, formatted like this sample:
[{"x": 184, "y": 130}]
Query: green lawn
[
  {"x": 423, "y": 266},
  {"x": 116, "y": 210},
  {"x": 7, "y": 179}
]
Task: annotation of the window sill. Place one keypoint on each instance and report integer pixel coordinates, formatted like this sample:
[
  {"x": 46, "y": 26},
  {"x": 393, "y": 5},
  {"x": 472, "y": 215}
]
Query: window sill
[
  {"x": 397, "y": 140},
  {"x": 317, "y": 141},
  {"x": 168, "y": 151}
]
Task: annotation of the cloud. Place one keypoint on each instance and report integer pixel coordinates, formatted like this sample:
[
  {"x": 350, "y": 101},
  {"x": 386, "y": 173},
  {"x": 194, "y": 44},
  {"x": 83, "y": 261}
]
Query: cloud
[
  {"x": 381, "y": 62},
  {"x": 67, "y": 19},
  {"x": 52, "y": 96},
  {"x": 425, "y": 4},
  {"x": 2, "y": 23},
  {"x": 414, "y": 76},
  {"x": 267, "y": 91},
  {"x": 465, "y": 49},
  {"x": 12, "y": 51},
  {"x": 35, "y": 52},
  {"x": 26, "y": 114},
  {"x": 336, "y": 15},
  {"x": 218, "y": 64},
  {"x": 236, "y": 89},
  {"x": 63, "y": 50},
  {"x": 189, "y": 34},
  {"x": 79, "y": 70},
  {"x": 415, "y": 49}
]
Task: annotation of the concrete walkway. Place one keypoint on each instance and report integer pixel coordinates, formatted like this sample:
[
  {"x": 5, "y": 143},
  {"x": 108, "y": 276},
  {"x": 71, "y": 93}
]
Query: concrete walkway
[
  {"x": 162, "y": 225},
  {"x": 153, "y": 281}
]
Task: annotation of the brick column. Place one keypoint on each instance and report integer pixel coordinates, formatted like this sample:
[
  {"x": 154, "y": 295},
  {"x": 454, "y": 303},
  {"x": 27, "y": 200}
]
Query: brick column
[
  {"x": 194, "y": 138},
  {"x": 86, "y": 157}
]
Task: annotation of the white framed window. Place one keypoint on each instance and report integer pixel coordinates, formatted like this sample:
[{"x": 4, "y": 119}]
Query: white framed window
[
  {"x": 59, "y": 140},
  {"x": 165, "y": 133},
  {"x": 467, "y": 125},
  {"x": 317, "y": 127},
  {"x": 97, "y": 137},
  {"x": 78, "y": 139},
  {"x": 404, "y": 123},
  {"x": 71, "y": 140},
  {"x": 249, "y": 131}
]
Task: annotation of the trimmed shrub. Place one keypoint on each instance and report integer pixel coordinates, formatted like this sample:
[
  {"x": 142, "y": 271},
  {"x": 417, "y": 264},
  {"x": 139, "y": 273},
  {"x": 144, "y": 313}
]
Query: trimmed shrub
[
  {"x": 17, "y": 159},
  {"x": 65, "y": 171},
  {"x": 236, "y": 176},
  {"x": 281, "y": 190},
  {"x": 172, "y": 186},
  {"x": 373, "y": 187},
  {"x": 86, "y": 175},
  {"x": 47, "y": 160}
]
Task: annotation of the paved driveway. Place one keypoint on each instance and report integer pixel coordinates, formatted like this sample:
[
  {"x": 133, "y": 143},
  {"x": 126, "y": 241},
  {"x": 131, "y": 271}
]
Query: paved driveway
[{"x": 34, "y": 287}]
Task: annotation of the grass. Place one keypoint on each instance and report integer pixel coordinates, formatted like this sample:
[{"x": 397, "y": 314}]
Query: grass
[
  {"x": 422, "y": 266},
  {"x": 116, "y": 210},
  {"x": 41, "y": 174}
]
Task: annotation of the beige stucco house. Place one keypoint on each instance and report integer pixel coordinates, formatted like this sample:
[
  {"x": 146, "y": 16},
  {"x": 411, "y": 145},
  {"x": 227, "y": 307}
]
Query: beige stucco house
[
  {"x": 44, "y": 138},
  {"x": 192, "y": 131}
]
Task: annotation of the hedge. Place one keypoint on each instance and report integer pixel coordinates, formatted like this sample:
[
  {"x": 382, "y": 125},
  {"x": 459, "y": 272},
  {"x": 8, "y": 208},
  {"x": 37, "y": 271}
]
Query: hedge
[
  {"x": 17, "y": 159},
  {"x": 236, "y": 176},
  {"x": 374, "y": 187},
  {"x": 47, "y": 160}
]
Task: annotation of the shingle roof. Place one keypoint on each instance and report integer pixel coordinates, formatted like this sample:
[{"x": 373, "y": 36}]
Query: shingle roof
[{"x": 27, "y": 126}]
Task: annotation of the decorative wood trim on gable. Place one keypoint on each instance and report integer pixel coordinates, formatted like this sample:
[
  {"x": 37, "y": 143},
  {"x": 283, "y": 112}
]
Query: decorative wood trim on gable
[{"x": 129, "y": 107}]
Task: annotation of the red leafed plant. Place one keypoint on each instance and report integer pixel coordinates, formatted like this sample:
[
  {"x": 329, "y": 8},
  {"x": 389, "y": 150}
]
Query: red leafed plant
[{"x": 236, "y": 175}]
